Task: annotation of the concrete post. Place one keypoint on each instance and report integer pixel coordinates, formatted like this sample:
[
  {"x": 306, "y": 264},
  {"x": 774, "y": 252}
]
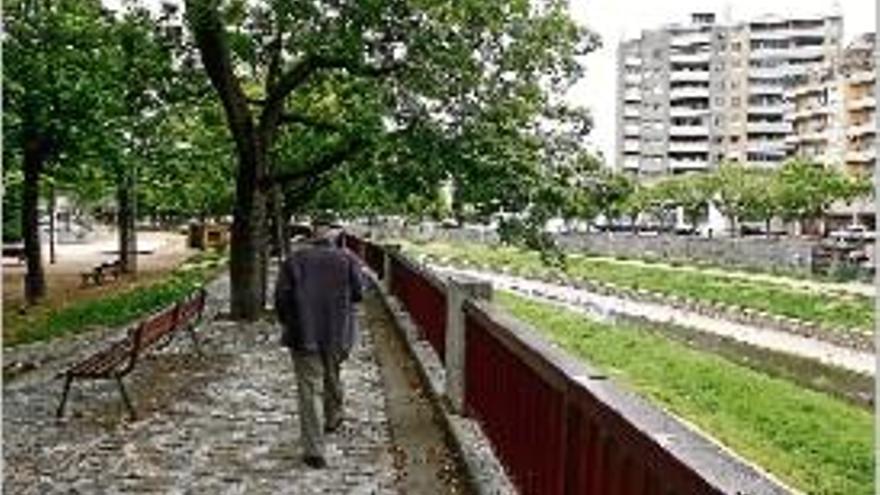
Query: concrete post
[
  {"x": 389, "y": 250},
  {"x": 457, "y": 292}
]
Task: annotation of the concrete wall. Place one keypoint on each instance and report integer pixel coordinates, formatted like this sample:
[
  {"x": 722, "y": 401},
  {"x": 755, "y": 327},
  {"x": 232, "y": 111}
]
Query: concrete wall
[
  {"x": 792, "y": 255},
  {"x": 786, "y": 255}
]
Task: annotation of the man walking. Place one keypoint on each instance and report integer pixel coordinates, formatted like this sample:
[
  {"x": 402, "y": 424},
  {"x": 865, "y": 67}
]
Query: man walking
[{"x": 314, "y": 298}]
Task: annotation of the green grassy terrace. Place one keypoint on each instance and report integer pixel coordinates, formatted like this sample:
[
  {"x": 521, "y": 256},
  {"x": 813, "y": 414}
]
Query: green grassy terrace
[
  {"x": 834, "y": 310},
  {"x": 113, "y": 310},
  {"x": 813, "y": 442}
]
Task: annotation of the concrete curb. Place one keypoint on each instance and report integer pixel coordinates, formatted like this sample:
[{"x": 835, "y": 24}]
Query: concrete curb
[{"x": 484, "y": 471}]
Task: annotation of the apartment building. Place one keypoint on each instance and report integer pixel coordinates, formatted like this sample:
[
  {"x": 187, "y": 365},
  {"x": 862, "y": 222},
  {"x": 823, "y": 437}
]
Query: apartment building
[
  {"x": 859, "y": 74},
  {"x": 833, "y": 119},
  {"x": 691, "y": 96}
]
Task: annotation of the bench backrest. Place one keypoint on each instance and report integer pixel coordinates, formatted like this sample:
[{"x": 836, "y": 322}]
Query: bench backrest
[
  {"x": 191, "y": 308},
  {"x": 158, "y": 325}
]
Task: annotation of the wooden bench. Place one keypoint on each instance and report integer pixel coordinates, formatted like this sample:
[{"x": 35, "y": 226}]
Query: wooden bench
[
  {"x": 97, "y": 274},
  {"x": 14, "y": 251},
  {"x": 119, "y": 358}
]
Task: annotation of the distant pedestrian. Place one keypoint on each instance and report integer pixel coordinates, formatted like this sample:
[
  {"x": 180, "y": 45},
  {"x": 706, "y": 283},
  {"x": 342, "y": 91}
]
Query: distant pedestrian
[{"x": 314, "y": 298}]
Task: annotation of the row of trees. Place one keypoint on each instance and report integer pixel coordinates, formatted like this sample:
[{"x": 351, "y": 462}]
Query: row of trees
[
  {"x": 798, "y": 191},
  {"x": 104, "y": 106},
  {"x": 270, "y": 108}
]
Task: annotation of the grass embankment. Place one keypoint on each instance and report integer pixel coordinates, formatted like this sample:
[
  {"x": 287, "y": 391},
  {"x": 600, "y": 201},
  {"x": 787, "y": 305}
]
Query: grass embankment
[
  {"x": 112, "y": 310},
  {"x": 813, "y": 442},
  {"x": 837, "y": 310}
]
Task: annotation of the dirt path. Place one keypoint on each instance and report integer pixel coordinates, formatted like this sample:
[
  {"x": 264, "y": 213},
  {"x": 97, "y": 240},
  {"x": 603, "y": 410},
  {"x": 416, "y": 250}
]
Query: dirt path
[
  {"x": 425, "y": 462},
  {"x": 63, "y": 282}
]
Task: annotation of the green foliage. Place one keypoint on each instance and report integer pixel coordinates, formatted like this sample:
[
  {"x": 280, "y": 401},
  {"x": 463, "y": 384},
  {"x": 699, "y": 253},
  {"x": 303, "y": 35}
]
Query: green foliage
[
  {"x": 804, "y": 190},
  {"x": 798, "y": 190},
  {"x": 12, "y": 179},
  {"x": 113, "y": 310},
  {"x": 814, "y": 442}
]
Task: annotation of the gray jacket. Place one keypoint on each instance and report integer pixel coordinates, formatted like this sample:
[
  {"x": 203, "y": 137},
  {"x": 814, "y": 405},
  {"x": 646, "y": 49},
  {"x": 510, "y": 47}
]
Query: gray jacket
[{"x": 314, "y": 298}]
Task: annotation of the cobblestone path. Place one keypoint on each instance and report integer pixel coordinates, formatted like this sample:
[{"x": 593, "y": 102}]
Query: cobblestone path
[{"x": 221, "y": 424}]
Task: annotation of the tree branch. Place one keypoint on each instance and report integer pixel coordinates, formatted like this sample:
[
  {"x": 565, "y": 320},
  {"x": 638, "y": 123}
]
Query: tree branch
[
  {"x": 210, "y": 36},
  {"x": 324, "y": 164},
  {"x": 296, "y": 118}
]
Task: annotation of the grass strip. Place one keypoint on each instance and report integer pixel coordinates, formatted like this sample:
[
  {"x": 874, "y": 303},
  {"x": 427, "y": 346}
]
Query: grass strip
[
  {"x": 836, "y": 311},
  {"x": 813, "y": 442},
  {"x": 113, "y": 310}
]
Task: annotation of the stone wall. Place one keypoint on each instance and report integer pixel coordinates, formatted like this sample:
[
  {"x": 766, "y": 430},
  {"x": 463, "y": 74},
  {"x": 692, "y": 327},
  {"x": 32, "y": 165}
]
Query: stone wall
[{"x": 784, "y": 255}]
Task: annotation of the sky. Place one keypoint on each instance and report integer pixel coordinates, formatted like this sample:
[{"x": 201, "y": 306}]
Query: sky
[{"x": 614, "y": 19}]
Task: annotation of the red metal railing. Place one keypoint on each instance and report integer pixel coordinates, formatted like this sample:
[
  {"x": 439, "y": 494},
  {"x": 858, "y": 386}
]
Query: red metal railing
[
  {"x": 557, "y": 427},
  {"x": 374, "y": 256},
  {"x": 354, "y": 244},
  {"x": 424, "y": 298},
  {"x": 551, "y": 431}
]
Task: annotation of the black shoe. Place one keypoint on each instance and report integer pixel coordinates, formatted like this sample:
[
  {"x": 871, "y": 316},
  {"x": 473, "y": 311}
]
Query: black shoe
[
  {"x": 333, "y": 427},
  {"x": 315, "y": 461}
]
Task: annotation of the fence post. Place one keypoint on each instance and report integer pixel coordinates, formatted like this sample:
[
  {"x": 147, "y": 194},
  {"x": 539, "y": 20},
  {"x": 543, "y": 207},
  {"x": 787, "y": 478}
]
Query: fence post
[
  {"x": 457, "y": 292},
  {"x": 390, "y": 250}
]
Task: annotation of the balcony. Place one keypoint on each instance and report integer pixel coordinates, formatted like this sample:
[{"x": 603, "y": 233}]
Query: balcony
[
  {"x": 766, "y": 89},
  {"x": 690, "y": 39},
  {"x": 776, "y": 109},
  {"x": 768, "y": 72},
  {"x": 632, "y": 96},
  {"x": 631, "y": 130},
  {"x": 768, "y": 127},
  {"x": 689, "y": 130},
  {"x": 632, "y": 61},
  {"x": 688, "y": 164},
  {"x": 631, "y": 146},
  {"x": 688, "y": 92},
  {"x": 685, "y": 111},
  {"x": 631, "y": 112},
  {"x": 861, "y": 156},
  {"x": 631, "y": 163},
  {"x": 767, "y": 147},
  {"x": 812, "y": 136},
  {"x": 701, "y": 57},
  {"x": 689, "y": 146},
  {"x": 811, "y": 113},
  {"x": 632, "y": 79},
  {"x": 689, "y": 76},
  {"x": 861, "y": 77},
  {"x": 862, "y": 103},
  {"x": 864, "y": 129}
]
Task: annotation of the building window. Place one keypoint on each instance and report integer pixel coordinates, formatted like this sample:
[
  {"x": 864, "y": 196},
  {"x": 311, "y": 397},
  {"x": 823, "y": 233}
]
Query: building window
[
  {"x": 719, "y": 101},
  {"x": 735, "y": 101}
]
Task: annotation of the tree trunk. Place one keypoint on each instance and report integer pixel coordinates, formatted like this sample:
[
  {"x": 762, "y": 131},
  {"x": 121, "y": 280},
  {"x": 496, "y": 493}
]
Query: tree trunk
[
  {"x": 125, "y": 224},
  {"x": 52, "y": 201},
  {"x": 282, "y": 237},
  {"x": 34, "y": 281},
  {"x": 248, "y": 239}
]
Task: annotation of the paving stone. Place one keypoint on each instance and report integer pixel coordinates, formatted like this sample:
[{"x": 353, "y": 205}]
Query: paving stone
[{"x": 226, "y": 424}]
